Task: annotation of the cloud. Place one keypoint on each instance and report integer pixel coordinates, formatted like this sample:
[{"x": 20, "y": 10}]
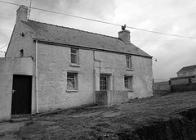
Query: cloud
[
  {"x": 98, "y": 9},
  {"x": 7, "y": 16},
  {"x": 168, "y": 16},
  {"x": 173, "y": 55},
  {"x": 45, "y": 4}
]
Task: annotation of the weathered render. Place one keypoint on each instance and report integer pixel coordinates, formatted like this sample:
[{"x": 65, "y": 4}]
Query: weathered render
[
  {"x": 8, "y": 68},
  {"x": 49, "y": 47},
  {"x": 53, "y": 65}
]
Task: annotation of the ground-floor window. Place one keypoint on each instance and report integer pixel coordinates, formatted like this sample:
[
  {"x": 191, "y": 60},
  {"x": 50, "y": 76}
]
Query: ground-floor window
[
  {"x": 104, "y": 82},
  {"x": 128, "y": 80},
  {"x": 72, "y": 81}
]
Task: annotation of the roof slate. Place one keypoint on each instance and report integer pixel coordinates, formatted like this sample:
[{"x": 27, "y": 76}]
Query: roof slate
[
  {"x": 63, "y": 35},
  {"x": 188, "y": 69}
]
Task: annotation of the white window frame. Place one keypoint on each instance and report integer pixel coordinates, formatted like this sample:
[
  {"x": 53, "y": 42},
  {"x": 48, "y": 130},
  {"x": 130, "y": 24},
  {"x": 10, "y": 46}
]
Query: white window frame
[
  {"x": 129, "y": 63},
  {"x": 128, "y": 82},
  {"x": 72, "y": 82},
  {"x": 75, "y": 55}
]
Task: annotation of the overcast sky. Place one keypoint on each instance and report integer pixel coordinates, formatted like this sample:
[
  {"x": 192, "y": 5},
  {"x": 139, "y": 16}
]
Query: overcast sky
[{"x": 169, "y": 16}]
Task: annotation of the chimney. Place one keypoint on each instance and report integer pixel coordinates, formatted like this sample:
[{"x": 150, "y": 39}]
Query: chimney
[
  {"x": 22, "y": 13},
  {"x": 124, "y": 35}
]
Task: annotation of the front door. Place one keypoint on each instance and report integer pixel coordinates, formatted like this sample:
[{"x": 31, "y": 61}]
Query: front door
[
  {"x": 104, "y": 82},
  {"x": 21, "y": 94}
]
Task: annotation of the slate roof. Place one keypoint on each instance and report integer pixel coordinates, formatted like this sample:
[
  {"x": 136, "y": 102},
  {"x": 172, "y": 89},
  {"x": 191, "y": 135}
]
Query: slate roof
[
  {"x": 187, "y": 69},
  {"x": 49, "y": 33}
]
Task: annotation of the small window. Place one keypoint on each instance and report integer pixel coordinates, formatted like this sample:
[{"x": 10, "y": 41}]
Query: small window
[
  {"x": 128, "y": 82},
  {"x": 72, "y": 81},
  {"x": 129, "y": 62},
  {"x": 74, "y": 56}
]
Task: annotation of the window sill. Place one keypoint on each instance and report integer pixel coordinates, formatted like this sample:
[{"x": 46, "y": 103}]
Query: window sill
[
  {"x": 73, "y": 90},
  {"x": 74, "y": 65},
  {"x": 130, "y": 69}
]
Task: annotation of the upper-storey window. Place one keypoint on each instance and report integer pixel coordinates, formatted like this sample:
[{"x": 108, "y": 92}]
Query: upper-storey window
[
  {"x": 74, "y": 56},
  {"x": 129, "y": 61}
]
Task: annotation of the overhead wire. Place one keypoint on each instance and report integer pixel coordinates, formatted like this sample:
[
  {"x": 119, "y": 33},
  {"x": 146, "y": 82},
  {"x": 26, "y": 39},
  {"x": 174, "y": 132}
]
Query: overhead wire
[{"x": 105, "y": 22}]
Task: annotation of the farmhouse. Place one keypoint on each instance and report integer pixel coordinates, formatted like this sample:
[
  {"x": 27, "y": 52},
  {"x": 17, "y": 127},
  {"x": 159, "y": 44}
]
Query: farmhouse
[{"x": 49, "y": 67}]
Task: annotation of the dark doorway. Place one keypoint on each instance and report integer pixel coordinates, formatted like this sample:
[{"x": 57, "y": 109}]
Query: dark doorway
[{"x": 21, "y": 94}]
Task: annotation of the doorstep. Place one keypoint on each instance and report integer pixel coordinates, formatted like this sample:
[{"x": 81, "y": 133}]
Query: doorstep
[{"x": 20, "y": 117}]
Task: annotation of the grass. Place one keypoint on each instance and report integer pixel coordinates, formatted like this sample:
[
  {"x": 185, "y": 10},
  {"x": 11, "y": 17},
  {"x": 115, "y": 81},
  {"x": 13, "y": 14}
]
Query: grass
[{"x": 107, "y": 122}]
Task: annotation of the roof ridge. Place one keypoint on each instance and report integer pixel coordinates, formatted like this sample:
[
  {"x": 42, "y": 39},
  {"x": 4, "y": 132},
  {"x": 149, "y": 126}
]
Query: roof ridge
[
  {"x": 74, "y": 29},
  {"x": 189, "y": 66}
]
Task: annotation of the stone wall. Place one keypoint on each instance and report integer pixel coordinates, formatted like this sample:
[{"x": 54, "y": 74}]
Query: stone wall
[
  {"x": 115, "y": 65},
  {"x": 21, "y": 39},
  {"x": 54, "y": 63},
  {"x": 161, "y": 88},
  {"x": 143, "y": 77},
  {"x": 117, "y": 97},
  {"x": 180, "y": 84},
  {"x": 101, "y": 97},
  {"x": 111, "y": 97},
  {"x": 8, "y": 67}
]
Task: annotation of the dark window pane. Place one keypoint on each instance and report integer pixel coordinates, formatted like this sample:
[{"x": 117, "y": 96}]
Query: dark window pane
[
  {"x": 129, "y": 61},
  {"x": 72, "y": 81},
  {"x": 74, "y": 56},
  {"x": 104, "y": 82},
  {"x": 128, "y": 81}
]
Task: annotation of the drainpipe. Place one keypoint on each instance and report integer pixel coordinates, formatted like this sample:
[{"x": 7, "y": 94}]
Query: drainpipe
[
  {"x": 36, "y": 79},
  {"x": 113, "y": 81},
  {"x": 94, "y": 73},
  {"x": 94, "y": 79}
]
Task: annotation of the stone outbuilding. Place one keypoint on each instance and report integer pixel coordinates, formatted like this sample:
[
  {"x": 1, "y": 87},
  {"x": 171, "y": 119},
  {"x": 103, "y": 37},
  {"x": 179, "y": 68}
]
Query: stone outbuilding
[
  {"x": 49, "y": 67},
  {"x": 187, "y": 71}
]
